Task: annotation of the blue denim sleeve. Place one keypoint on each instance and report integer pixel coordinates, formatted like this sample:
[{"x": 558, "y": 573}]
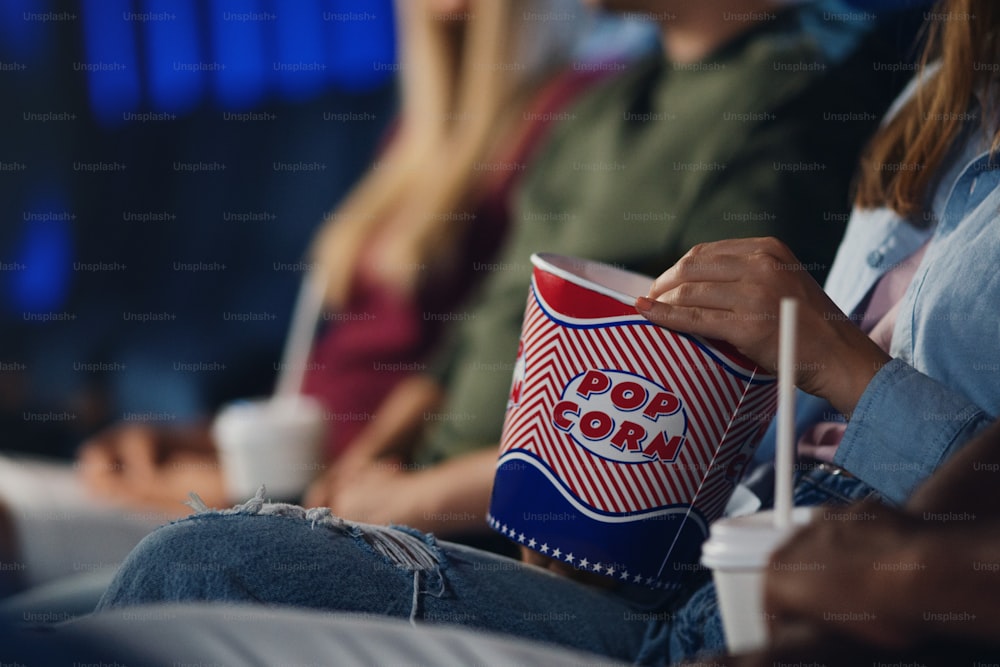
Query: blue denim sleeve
[{"x": 905, "y": 426}]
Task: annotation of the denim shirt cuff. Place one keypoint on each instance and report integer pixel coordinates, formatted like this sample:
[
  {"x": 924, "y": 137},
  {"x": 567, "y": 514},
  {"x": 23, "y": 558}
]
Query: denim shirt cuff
[{"x": 904, "y": 426}]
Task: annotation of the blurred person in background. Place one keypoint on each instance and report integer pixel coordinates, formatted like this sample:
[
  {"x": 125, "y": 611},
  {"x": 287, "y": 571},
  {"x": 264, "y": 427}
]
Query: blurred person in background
[{"x": 481, "y": 82}]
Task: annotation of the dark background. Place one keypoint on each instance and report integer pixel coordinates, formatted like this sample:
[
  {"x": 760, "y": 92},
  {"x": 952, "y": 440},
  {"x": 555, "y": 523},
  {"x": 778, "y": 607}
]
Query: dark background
[{"x": 115, "y": 85}]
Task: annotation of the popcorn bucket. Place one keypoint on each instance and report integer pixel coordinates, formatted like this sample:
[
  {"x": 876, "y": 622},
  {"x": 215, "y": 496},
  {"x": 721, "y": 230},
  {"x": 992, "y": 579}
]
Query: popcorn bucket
[{"x": 622, "y": 440}]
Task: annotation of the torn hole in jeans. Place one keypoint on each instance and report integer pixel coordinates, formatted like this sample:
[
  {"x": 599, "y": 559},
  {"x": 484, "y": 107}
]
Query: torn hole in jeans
[{"x": 404, "y": 548}]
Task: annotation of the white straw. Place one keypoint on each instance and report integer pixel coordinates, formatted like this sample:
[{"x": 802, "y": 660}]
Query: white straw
[
  {"x": 308, "y": 306},
  {"x": 785, "y": 454}
]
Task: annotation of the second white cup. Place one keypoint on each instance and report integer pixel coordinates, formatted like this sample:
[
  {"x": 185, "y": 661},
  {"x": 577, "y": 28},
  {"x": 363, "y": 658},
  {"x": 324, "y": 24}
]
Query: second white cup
[
  {"x": 738, "y": 551},
  {"x": 276, "y": 441}
]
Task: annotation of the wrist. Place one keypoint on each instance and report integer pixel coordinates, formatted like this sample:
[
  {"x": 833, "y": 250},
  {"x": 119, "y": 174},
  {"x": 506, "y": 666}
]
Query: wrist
[
  {"x": 427, "y": 502},
  {"x": 854, "y": 361}
]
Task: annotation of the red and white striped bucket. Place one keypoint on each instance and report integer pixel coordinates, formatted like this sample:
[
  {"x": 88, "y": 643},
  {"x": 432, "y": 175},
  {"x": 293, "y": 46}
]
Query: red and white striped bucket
[{"x": 623, "y": 440}]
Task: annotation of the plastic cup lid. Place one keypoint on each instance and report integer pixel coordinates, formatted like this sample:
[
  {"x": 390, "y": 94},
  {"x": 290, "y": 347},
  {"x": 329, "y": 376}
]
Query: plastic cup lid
[{"x": 747, "y": 542}]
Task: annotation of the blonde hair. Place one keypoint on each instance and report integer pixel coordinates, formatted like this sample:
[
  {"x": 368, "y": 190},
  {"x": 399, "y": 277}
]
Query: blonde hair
[
  {"x": 965, "y": 45},
  {"x": 464, "y": 83}
]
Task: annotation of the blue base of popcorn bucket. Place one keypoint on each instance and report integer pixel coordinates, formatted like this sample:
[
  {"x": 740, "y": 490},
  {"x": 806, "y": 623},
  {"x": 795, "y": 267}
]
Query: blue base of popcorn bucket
[{"x": 657, "y": 551}]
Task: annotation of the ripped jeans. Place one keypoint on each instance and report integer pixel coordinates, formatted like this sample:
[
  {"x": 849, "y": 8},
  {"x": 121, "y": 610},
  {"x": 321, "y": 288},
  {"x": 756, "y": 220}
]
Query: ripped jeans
[
  {"x": 273, "y": 553},
  {"x": 280, "y": 554}
]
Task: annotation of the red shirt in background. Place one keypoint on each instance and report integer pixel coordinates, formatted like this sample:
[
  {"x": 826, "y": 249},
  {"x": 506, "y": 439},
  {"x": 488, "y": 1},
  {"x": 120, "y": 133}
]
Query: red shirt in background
[{"x": 382, "y": 336}]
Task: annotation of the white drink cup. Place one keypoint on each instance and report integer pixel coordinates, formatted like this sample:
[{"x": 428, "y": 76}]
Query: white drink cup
[
  {"x": 277, "y": 442},
  {"x": 738, "y": 551}
]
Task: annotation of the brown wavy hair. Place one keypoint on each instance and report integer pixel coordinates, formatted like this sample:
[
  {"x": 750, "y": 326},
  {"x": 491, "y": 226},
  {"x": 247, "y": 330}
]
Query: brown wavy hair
[{"x": 962, "y": 45}]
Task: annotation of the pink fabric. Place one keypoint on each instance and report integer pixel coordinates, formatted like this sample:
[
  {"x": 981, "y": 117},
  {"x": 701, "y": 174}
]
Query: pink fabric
[
  {"x": 381, "y": 337},
  {"x": 820, "y": 442},
  {"x": 880, "y": 317}
]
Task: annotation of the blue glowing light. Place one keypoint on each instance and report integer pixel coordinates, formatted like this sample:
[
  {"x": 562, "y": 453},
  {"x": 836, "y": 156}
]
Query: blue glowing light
[
  {"x": 234, "y": 54},
  {"x": 110, "y": 56},
  {"x": 45, "y": 252},
  {"x": 22, "y": 27},
  {"x": 360, "y": 49},
  {"x": 173, "y": 56},
  {"x": 239, "y": 64},
  {"x": 299, "y": 66}
]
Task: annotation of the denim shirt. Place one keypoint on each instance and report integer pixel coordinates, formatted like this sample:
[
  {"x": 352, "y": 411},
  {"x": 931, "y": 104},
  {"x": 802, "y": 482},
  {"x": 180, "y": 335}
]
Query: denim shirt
[{"x": 943, "y": 383}]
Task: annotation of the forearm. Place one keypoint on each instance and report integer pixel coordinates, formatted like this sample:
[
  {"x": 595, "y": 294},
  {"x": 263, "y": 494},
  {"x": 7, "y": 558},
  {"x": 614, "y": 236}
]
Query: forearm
[
  {"x": 401, "y": 417},
  {"x": 456, "y": 494},
  {"x": 9, "y": 554},
  {"x": 196, "y": 436},
  {"x": 967, "y": 483},
  {"x": 904, "y": 427}
]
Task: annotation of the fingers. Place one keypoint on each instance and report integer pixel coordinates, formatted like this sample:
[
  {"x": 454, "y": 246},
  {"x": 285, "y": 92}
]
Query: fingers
[
  {"x": 700, "y": 267},
  {"x": 313, "y": 497},
  {"x": 97, "y": 461},
  {"x": 350, "y": 464},
  {"x": 123, "y": 463},
  {"x": 185, "y": 472},
  {"x": 719, "y": 288},
  {"x": 669, "y": 316},
  {"x": 698, "y": 320},
  {"x": 532, "y": 557},
  {"x": 139, "y": 456},
  {"x": 343, "y": 472},
  {"x": 721, "y": 261},
  {"x": 319, "y": 492}
]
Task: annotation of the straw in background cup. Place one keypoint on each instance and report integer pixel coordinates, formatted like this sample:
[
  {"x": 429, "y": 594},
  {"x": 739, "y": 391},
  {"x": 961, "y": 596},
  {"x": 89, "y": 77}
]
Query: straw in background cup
[{"x": 301, "y": 333}]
